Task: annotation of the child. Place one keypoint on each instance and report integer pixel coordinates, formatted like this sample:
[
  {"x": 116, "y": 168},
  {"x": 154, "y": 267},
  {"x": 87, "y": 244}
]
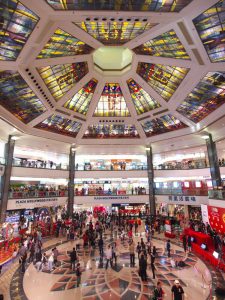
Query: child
[{"x": 78, "y": 274}]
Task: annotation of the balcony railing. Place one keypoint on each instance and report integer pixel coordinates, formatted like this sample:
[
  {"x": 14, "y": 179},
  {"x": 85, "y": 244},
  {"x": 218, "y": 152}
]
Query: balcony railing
[
  {"x": 37, "y": 164},
  {"x": 181, "y": 166},
  {"x": 37, "y": 194},
  {"x": 191, "y": 192},
  {"x": 217, "y": 194},
  {"x": 108, "y": 168}
]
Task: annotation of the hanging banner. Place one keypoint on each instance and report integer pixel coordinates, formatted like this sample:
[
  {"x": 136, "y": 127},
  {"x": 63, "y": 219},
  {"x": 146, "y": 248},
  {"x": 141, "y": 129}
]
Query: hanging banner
[
  {"x": 205, "y": 216},
  {"x": 217, "y": 218}
]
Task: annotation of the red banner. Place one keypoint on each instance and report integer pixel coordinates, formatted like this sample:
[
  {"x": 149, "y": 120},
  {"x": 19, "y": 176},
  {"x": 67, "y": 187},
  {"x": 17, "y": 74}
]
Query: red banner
[{"x": 217, "y": 218}]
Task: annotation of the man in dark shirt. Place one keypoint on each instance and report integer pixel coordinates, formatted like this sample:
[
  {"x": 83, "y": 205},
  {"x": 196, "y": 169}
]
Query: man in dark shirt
[
  {"x": 73, "y": 258},
  {"x": 177, "y": 291}
]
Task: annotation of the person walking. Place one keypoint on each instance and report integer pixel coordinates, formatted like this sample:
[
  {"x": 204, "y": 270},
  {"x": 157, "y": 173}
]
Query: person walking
[
  {"x": 132, "y": 254},
  {"x": 168, "y": 246},
  {"x": 153, "y": 265},
  {"x": 143, "y": 267},
  {"x": 177, "y": 291},
  {"x": 100, "y": 246},
  {"x": 73, "y": 259},
  {"x": 158, "y": 292},
  {"x": 78, "y": 274},
  {"x": 50, "y": 262},
  {"x": 108, "y": 255},
  {"x": 189, "y": 243},
  {"x": 55, "y": 256},
  {"x": 23, "y": 260},
  {"x": 184, "y": 243}
]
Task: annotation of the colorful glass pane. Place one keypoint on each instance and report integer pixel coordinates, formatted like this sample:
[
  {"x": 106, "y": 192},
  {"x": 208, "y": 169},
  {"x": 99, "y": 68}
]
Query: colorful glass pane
[
  {"x": 103, "y": 131},
  {"x": 163, "y": 79},
  {"x": 113, "y": 32},
  {"x": 165, "y": 45},
  {"x": 61, "y": 78},
  {"x": 17, "y": 97},
  {"x": 16, "y": 24},
  {"x": 112, "y": 102},
  {"x": 125, "y": 5},
  {"x": 206, "y": 97},
  {"x": 163, "y": 124},
  {"x": 143, "y": 102},
  {"x": 211, "y": 29},
  {"x": 60, "y": 125},
  {"x": 81, "y": 100},
  {"x": 64, "y": 44}
]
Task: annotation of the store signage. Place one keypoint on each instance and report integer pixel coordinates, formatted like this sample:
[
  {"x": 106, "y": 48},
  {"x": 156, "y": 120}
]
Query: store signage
[
  {"x": 2, "y": 170},
  {"x": 188, "y": 199},
  {"x": 111, "y": 198},
  {"x": 205, "y": 215},
  {"x": 35, "y": 202}
]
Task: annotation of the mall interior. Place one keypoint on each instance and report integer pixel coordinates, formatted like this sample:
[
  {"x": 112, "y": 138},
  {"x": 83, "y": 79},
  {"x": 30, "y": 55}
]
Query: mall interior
[{"x": 112, "y": 149}]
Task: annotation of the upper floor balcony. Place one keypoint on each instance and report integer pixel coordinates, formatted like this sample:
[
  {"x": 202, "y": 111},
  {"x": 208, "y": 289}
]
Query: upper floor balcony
[{"x": 217, "y": 194}]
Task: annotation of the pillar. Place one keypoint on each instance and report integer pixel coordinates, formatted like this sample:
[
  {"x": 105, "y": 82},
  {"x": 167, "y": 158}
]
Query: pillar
[
  {"x": 152, "y": 200},
  {"x": 9, "y": 150},
  {"x": 213, "y": 162},
  {"x": 71, "y": 181}
]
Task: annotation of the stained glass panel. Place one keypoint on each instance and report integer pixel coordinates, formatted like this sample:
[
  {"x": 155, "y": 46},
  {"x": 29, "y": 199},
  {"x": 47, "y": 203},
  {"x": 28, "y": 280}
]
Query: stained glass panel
[
  {"x": 143, "y": 102},
  {"x": 61, "y": 78},
  {"x": 16, "y": 24},
  {"x": 103, "y": 131},
  {"x": 163, "y": 124},
  {"x": 112, "y": 102},
  {"x": 125, "y": 5},
  {"x": 206, "y": 97},
  {"x": 81, "y": 100},
  {"x": 113, "y": 32},
  {"x": 63, "y": 44},
  {"x": 17, "y": 97},
  {"x": 165, "y": 45},
  {"x": 60, "y": 125},
  {"x": 211, "y": 29},
  {"x": 163, "y": 79}
]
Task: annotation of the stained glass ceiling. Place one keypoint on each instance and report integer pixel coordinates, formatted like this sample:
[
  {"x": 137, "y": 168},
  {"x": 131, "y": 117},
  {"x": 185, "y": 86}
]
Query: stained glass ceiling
[
  {"x": 16, "y": 25},
  {"x": 113, "y": 32},
  {"x": 163, "y": 79},
  {"x": 111, "y": 131},
  {"x": 143, "y": 102},
  {"x": 165, "y": 45},
  {"x": 112, "y": 102},
  {"x": 17, "y": 97},
  {"x": 58, "y": 124},
  {"x": 51, "y": 80},
  {"x": 81, "y": 100},
  {"x": 59, "y": 79},
  {"x": 206, "y": 97},
  {"x": 140, "y": 5},
  {"x": 161, "y": 125},
  {"x": 64, "y": 44},
  {"x": 211, "y": 29}
]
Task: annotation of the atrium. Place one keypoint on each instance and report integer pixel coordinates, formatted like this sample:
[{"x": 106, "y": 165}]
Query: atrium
[{"x": 112, "y": 128}]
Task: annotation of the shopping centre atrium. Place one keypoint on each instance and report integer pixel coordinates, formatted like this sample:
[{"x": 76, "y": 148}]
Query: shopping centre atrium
[{"x": 112, "y": 110}]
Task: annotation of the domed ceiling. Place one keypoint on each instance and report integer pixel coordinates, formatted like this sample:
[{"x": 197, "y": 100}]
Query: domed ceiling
[{"x": 92, "y": 71}]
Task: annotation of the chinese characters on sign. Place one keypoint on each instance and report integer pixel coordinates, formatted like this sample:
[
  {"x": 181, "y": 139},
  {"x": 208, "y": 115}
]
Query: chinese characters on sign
[{"x": 182, "y": 199}]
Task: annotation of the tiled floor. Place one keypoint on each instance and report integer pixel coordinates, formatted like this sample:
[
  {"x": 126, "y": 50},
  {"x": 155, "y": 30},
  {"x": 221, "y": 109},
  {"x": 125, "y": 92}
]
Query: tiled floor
[{"x": 120, "y": 282}]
